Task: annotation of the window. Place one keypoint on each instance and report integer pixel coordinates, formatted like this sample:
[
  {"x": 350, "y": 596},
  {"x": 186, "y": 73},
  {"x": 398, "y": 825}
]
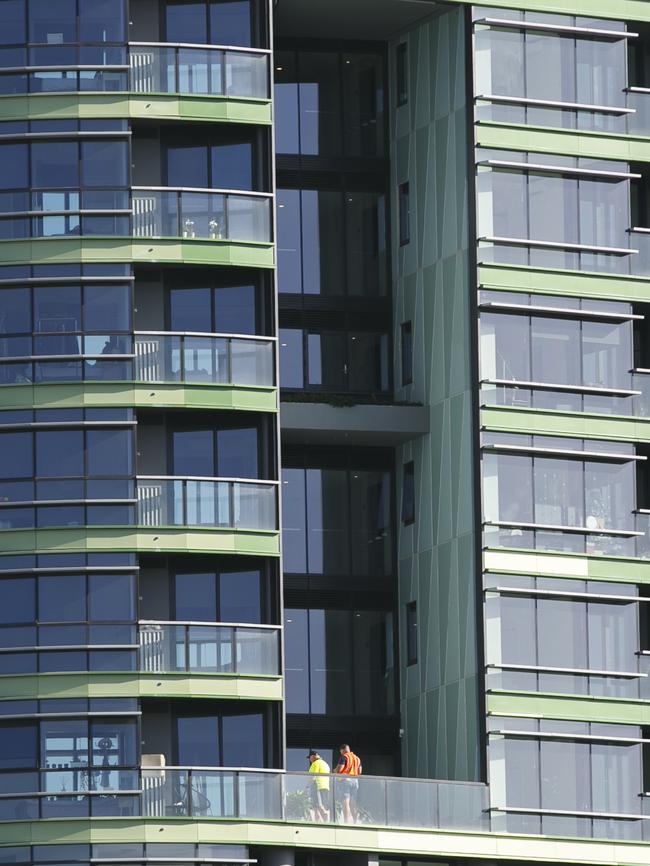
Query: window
[
  {"x": 404, "y": 214},
  {"x": 331, "y": 242},
  {"x": 329, "y": 104},
  {"x": 229, "y": 309},
  {"x": 401, "y": 74},
  {"x": 220, "y": 740},
  {"x": 226, "y": 453},
  {"x": 408, "y": 493},
  {"x": 219, "y": 22},
  {"x": 228, "y": 596},
  {"x": 411, "y": 633},
  {"x": 336, "y": 521},
  {"x": 338, "y": 662},
  {"x": 226, "y": 164},
  {"x": 406, "y": 346}
]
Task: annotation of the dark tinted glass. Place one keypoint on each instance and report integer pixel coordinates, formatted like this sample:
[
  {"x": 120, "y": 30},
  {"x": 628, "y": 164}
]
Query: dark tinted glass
[
  {"x": 190, "y": 310},
  {"x": 107, "y": 308},
  {"x": 15, "y": 311},
  {"x": 232, "y": 165},
  {"x": 109, "y": 452},
  {"x": 237, "y": 453},
  {"x": 17, "y": 600},
  {"x": 186, "y": 22},
  {"x": 198, "y": 741},
  {"x": 111, "y": 597},
  {"x": 105, "y": 163},
  {"x": 193, "y": 452},
  {"x": 52, "y": 23},
  {"x": 239, "y": 596},
  {"x": 16, "y": 459},
  {"x": 101, "y": 21},
  {"x": 195, "y": 597},
  {"x": 18, "y": 746},
  {"x": 408, "y": 493},
  {"x": 59, "y": 453},
  {"x": 12, "y": 22},
  {"x": 14, "y": 171},
  {"x": 55, "y": 164},
  {"x": 57, "y": 310},
  {"x": 62, "y": 598},
  {"x": 230, "y": 22},
  {"x": 235, "y": 309},
  {"x": 243, "y": 740},
  {"x": 187, "y": 166}
]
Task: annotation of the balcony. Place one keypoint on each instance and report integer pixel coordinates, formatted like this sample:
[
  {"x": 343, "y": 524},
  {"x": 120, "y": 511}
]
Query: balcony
[
  {"x": 148, "y": 67},
  {"x": 195, "y": 647},
  {"x": 223, "y": 503},
  {"x": 195, "y": 214},
  {"x": 148, "y": 212},
  {"x": 202, "y": 70},
  {"x": 210, "y": 359},
  {"x": 246, "y": 795}
]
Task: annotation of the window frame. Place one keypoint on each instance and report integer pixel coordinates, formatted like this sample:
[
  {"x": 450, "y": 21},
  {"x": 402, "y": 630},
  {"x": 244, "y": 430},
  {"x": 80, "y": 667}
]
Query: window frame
[
  {"x": 411, "y": 633},
  {"x": 401, "y": 74},
  {"x": 407, "y": 511}
]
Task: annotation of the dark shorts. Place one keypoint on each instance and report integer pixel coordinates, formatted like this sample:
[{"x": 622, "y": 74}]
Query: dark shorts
[{"x": 349, "y": 787}]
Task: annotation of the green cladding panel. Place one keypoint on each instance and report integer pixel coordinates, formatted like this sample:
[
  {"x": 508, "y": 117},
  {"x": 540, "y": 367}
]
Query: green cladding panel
[{"x": 431, "y": 280}]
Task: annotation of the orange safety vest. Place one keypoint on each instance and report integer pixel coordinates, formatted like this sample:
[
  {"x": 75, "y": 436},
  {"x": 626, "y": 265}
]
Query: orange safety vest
[{"x": 352, "y": 766}]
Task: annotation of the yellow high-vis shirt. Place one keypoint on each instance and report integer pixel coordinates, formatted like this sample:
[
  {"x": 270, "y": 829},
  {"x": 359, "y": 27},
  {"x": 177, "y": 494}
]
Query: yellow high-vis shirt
[{"x": 321, "y": 767}]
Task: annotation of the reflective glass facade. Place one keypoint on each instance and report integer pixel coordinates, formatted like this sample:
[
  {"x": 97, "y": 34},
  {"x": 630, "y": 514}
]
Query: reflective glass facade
[{"x": 324, "y": 370}]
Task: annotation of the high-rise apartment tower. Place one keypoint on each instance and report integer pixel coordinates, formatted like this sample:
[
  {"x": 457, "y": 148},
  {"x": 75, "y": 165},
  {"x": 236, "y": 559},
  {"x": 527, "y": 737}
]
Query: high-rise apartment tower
[{"x": 324, "y": 417}]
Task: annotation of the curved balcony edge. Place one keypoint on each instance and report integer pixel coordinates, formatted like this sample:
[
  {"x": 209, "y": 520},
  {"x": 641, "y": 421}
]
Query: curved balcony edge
[
  {"x": 137, "y": 106},
  {"x": 129, "y": 539},
  {"x": 544, "y": 139},
  {"x": 250, "y": 687},
  {"x": 139, "y": 395},
  {"x": 426, "y": 843},
  {"x": 109, "y": 250}
]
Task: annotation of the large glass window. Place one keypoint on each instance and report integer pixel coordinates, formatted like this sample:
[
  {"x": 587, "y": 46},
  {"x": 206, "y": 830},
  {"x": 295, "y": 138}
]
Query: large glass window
[
  {"x": 230, "y": 452},
  {"x": 331, "y": 242},
  {"x": 336, "y": 521},
  {"x": 337, "y": 662},
  {"x": 334, "y": 361},
  {"x": 65, "y": 322},
  {"x": 230, "y": 309},
  {"x": 221, "y": 165},
  {"x": 329, "y": 104},
  {"x": 557, "y": 67},
  {"x": 220, "y": 740},
  {"x": 227, "y": 596},
  {"x": 216, "y": 22},
  {"x": 572, "y": 766},
  {"x": 562, "y": 351},
  {"x": 550, "y": 629},
  {"x": 559, "y": 492}
]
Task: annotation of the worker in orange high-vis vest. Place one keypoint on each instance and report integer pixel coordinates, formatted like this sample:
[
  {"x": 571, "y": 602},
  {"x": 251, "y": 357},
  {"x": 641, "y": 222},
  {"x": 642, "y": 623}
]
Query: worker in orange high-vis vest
[{"x": 349, "y": 765}]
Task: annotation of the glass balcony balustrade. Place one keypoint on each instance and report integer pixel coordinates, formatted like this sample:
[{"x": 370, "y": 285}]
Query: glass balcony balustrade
[
  {"x": 207, "y": 503},
  {"x": 198, "y": 70},
  {"x": 246, "y": 795},
  {"x": 146, "y": 67},
  {"x": 149, "y": 356},
  {"x": 201, "y": 215},
  {"x": 211, "y": 359},
  {"x": 172, "y": 647},
  {"x": 156, "y": 212}
]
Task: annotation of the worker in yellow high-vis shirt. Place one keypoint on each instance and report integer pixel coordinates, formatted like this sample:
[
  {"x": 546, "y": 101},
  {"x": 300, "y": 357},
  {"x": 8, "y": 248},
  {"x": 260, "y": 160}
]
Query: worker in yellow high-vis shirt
[{"x": 320, "y": 787}]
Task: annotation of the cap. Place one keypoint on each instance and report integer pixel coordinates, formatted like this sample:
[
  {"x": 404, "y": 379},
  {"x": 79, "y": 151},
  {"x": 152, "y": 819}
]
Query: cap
[{"x": 313, "y": 752}]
